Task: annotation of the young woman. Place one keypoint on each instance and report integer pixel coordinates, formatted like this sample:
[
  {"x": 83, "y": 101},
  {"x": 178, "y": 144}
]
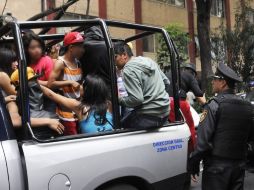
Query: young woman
[
  {"x": 39, "y": 62},
  {"x": 94, "y": 110},
  {"x": 8, "y": 63},
  {"x": 36, "y": 58}
]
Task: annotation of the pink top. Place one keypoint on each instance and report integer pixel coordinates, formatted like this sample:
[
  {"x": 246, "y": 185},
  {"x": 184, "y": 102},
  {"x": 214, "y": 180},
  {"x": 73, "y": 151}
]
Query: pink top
[{"x": 44, "y": 66}]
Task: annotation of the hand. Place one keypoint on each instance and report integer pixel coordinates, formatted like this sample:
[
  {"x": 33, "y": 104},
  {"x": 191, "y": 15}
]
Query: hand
[
  {"x": 201, "y": 100},
  {"x": 75, "y": 84},
  {"x": 194, "y": 167},
  {"x": 55, "y": 125},
  {"x": 10, "y": 98},
  {"x": 194, "y": 178}
]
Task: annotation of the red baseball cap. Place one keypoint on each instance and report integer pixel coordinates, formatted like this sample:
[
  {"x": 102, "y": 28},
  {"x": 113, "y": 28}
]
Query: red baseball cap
[{"x": 72, "y": 38}]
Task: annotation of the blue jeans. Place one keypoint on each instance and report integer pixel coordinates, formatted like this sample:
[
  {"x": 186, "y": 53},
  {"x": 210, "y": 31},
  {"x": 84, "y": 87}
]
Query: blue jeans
[{"x": 142, "y": 121}]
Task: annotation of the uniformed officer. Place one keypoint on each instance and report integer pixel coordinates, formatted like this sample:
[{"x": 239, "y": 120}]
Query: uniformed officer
[{"x": 226, "y": 126}]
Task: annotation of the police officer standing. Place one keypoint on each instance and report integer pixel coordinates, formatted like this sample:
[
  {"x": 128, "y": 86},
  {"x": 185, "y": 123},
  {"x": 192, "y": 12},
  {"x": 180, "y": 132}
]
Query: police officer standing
[{"x": 226, "y": 126}]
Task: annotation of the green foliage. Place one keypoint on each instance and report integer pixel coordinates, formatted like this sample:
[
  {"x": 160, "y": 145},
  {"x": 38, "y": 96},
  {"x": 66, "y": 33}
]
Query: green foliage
[
  {"x": 236, "y": 47},
  {"x": 180, "y": 38}
]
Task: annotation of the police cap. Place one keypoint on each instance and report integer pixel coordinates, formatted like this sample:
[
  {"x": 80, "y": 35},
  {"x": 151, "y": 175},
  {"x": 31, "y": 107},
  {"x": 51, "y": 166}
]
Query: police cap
[{"x": 224, "y": 72}]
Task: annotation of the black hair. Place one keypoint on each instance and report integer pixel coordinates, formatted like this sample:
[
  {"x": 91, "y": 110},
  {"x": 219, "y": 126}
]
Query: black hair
[
  {"x": 27, "y": 38},
  {"x": 121, "y": 47},
  {"x": 7, "y": 57},
  {"x": 96, "y": 96}
]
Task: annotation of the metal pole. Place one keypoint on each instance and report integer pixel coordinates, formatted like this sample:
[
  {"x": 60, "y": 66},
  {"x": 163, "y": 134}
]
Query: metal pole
[
  {"x": 24, "y": 99},
  {"x": 115, "y": 103},
  {"x": 174, "y": 71}
]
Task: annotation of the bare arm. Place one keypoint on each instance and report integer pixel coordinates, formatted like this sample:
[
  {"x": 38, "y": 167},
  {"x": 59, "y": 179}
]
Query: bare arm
[
  {"x": 54, "y": 124},
  {"x": 43, "y": 83},
  {"x": 69, "y": 103},
  {"x": 54, "y": 82},
  {"x": 5, "y": 83}
]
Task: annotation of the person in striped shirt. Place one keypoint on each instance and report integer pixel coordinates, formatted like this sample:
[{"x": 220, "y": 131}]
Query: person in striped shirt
[{"x": 67, "y": 76}]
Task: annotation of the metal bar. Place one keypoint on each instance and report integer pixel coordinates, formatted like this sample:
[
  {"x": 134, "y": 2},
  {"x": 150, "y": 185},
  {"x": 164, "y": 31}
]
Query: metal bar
[
  {"x": 24, "y": 103},
  {"x": 5, "y": 29},
  {"x": 175, "y": 81},
  {"x": 89, "y": 135},
  {"x": 52, "y": 37},
  {"x": 96, "y": 21},
  {"x": 44, "y": 37},
  {"x": 57, "y": 17},
  {"x": 178, "y": 62},
  {"x": 58, "y": 23},
  {"x": 58, "y": 37},
  {"x": 114, "y": 90},
  {"x": 50, "y": 11},
  {"x": 132, "y": 26},
  {"x": 137, "y": 36}
]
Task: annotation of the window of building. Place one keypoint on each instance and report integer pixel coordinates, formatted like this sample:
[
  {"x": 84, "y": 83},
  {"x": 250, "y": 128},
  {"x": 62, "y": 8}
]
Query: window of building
[
  {"x": 218, "y": 8},
  {"x": 178, "y": 3},
  {"x": 71, "y": 16},
  {"x": 150, "y": 44}
]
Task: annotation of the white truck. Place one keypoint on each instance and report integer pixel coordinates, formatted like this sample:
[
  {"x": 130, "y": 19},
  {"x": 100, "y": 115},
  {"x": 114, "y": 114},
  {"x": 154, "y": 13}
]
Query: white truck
[{"x": 124, "y": 159}]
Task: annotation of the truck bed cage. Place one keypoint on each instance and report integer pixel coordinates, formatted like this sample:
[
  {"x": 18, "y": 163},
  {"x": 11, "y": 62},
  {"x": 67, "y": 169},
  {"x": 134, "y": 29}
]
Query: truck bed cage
[{"x": 145, "y": 30}]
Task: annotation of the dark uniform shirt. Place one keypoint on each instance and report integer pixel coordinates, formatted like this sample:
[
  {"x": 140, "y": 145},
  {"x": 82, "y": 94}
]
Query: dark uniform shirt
[
  {"x": 207, "y": 126},
  {"x": 188, "y": 83}
]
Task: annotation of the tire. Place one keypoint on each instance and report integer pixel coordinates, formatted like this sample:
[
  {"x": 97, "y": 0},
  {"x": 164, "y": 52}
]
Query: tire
[{"x": 121, "y": 187}]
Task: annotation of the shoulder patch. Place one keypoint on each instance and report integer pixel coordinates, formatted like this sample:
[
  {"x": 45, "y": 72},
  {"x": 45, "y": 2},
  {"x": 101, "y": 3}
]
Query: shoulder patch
[{"x": 203, "y": 116}]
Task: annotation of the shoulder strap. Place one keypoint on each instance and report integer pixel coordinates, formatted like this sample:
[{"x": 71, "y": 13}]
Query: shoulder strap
[
  {"x": 85, "y": 111},
  {"x": 109, "y": 122},
  {"x": 62, "y": 59}
]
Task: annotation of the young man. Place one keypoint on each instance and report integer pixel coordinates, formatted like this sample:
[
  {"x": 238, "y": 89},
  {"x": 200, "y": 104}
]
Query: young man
[
  {"x": 144, "y": 84},
  {"x": 188, "y": 83},
  {"x": 225, "y": 127},
  {"x": 66, "y": 76}
]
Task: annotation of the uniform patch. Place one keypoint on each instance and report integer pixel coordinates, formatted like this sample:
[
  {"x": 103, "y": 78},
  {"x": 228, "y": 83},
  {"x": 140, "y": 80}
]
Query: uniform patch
[{"x": 203, "y": 116}]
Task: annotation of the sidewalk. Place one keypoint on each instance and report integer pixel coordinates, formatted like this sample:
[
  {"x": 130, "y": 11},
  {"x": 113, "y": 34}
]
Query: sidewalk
[{"x": 248, "y": 185}]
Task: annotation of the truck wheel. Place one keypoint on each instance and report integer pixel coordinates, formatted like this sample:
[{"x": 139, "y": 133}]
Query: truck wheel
[{"x": 121, "y": 187}]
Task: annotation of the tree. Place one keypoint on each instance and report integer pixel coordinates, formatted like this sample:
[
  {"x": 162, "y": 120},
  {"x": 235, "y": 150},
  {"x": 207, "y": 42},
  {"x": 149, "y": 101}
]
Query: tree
[
  {"x": 180, "y": 38},
  {"x": 203, "y": 27},
  {"x": 238, "y": 44}
]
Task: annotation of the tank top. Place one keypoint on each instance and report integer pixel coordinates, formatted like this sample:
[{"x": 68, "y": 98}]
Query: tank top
[{"x": 73, "y": 74}]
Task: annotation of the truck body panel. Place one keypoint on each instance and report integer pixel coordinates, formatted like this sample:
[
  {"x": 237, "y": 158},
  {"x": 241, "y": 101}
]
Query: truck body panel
[
  {"x": 87, "y": 163},
  {"x": 4, "y": 179},
  {"x": 13, "y": 162}
]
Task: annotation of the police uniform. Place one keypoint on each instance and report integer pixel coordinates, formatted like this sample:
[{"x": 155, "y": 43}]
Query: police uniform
[{"x": 226, "y": 126}]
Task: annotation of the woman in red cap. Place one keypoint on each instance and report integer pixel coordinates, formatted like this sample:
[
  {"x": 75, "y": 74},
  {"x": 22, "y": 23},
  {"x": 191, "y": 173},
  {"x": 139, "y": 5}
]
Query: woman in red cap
[{"x": 67, "y": 76}]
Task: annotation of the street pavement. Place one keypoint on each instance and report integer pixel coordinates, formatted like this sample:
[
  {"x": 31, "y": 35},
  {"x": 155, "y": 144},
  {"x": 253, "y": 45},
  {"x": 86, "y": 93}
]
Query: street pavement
[{"x": 248, "y": 184}]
